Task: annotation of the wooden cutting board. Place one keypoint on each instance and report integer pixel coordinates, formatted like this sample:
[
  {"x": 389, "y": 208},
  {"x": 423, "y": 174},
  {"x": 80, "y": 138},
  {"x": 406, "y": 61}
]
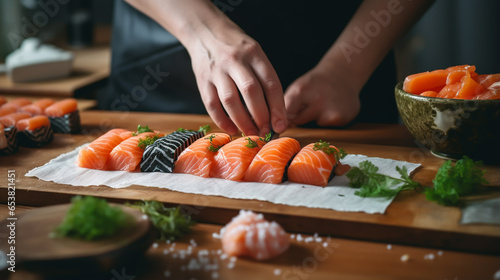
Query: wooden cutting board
[{"x": 410, "y": 219}]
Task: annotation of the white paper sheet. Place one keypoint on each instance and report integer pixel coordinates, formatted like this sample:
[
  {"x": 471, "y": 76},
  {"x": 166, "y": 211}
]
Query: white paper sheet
[{"x": 337, "y": 195}]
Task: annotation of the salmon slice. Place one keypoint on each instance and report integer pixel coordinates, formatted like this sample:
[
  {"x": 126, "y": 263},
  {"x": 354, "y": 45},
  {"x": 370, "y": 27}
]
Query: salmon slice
[
  {"x": 312, "y": 166},
  {"x": 17, "y": 103},
  {"x": 2, "y": 100},
  {"x": 249, "y": 234},
  {"x": 12, "y": 119},
  {"x": 32, "y": 123},
  {"x": 270, "y": 163},
  {"x": 7, "y": 110},
  {"x": 127, "y": 155},
  {"x": 37, "y": 107},
  {"x": 198, "y": 158},
  {"x": 233, "y": 159},
  {"x": 95, "y": 155},
  {"x": 61, "y": 108}
]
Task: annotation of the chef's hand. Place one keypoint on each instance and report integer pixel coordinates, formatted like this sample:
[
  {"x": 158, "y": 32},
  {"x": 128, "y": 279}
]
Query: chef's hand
[
  {"x": 323, "y": 97},
  {"x": 226, "y": 62}
]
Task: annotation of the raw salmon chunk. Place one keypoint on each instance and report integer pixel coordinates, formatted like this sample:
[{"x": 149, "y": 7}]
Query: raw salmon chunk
[
  {"x": 198, "y": 158},
  {"x": 4, "y": 111},
  {"x": 233, "y": 159},
  {"x": 249, "y": 234},
  {"x": 95, "y": 155},
  {"x": 269, "y": 165},
  {"x": 128, "y": 154},
  {"x": 313, "y": 166},
  {"x": 37, "y": 107},
  {"x": 61, "y": 108},
  {"x": 32, "y": 123}
]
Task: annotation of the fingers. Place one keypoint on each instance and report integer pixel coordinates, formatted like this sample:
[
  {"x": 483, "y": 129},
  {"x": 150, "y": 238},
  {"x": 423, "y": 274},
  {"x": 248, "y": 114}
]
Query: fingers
[
  {"x": 214, "y": 108},
  {"x": 273, "y": 93}
]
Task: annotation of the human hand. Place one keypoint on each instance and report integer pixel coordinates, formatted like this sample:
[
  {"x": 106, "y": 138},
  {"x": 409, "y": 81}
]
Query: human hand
[
  {"x": 226, "y": 61},
  {"x": 321, "y": 96}
]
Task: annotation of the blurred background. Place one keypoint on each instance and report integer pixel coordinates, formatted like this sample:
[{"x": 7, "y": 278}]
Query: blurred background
[{"x": 452, "y": 32}]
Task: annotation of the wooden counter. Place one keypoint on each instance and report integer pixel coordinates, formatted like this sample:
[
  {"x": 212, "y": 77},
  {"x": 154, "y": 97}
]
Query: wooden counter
[{"x": 409, "y": 222}]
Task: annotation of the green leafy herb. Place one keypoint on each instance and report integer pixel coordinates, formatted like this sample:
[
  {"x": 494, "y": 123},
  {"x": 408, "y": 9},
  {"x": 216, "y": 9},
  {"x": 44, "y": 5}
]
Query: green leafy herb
[
  {"x": 142, "y": 129},
  {"x": 268, "y": 137},
  {"x": 251, "y": 143},
  {"x": 91, "y": 218},
  {"x": 170, "y": 222},
  {"x": 206, "y": 128},
  {"x": 144, "y": 142},
  {"x": 373, "y": 184},
  {"x": 451, "y": 182},
  {"x": 325, "y": 147},
  {"x": 212, "y": 147}
]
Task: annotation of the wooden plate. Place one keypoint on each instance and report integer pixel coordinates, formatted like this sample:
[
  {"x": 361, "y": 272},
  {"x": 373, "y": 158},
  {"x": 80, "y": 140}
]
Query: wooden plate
[{"x": 36, "y": 251}]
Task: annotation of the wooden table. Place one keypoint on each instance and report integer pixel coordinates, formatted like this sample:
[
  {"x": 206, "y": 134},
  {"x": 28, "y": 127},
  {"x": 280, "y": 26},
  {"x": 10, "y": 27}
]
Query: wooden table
[{"x": 358, "y": 245}]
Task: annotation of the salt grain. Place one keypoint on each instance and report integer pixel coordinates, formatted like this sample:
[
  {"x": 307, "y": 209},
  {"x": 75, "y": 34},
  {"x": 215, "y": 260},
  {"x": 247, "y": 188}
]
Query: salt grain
[
  {"x": 389, "y": 246},
  {"x": 277, "y": 271},
  {"x": 325, "y": 244},
  {"x": 440, "y": 253},
  {"x": 429, "y": 257},
  {"x": 309, "y": 239},
  {"x": 299, "y": 237},
  {"x": 232, "y": 259},
  {"x": 230, "y": 265},
  {"x": 292, "y": 236},
  {"x": 223, "y": 256},
  {"x": 215, "y": 275},
  {"x": 144, "y": 217},
  {"x": 496, "y": 276},
  {"x": 216, "y": 235},
  {"x": 219, "y": 252},
  {"x": 166, "y": 273},
  {"x": 405, "y": 258},
  {"x": 318, "y": 239},
  {"x": 155, "y": 245},
  {"x": 165, "y": 252}
]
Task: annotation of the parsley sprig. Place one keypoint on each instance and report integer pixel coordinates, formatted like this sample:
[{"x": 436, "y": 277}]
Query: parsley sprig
[
  {"x": 453, "y": 181},
  {"x": 142, "y": 129},
  {"x": 171, "y": 222},
  {"x": 328, "y": 149},
  {"x": 148, "y": 140},
  {"x": 373, "y": 184}
]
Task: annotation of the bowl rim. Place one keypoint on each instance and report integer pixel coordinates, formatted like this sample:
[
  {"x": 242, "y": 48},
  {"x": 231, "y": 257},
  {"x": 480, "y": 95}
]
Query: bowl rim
[{"x": 399, "y": 88}]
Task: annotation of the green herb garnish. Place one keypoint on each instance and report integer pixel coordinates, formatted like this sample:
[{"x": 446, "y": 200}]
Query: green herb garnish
[
  {"x": 325, "y": 147},
  {"x": 206, "y": 128},
  {"x": 251, "y": 144},
  {"x": 170, "y": 222},
  {"x": 91, "y": 218},
  {"x": 212, "y": 147},
  {"x": 373, "y": 184},
  {"x": 142, "y": 129},
  {"x": 148, "y": 140},
  {"x": 451, "y": 182}
]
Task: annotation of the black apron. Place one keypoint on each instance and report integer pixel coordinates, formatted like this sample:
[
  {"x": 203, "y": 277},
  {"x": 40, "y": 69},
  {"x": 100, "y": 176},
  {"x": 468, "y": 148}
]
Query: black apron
[{"x": 151, "y": 71}]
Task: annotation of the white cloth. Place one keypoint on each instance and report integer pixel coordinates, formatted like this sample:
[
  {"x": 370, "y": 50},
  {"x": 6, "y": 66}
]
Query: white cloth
[{"x": 337, "y": 195}]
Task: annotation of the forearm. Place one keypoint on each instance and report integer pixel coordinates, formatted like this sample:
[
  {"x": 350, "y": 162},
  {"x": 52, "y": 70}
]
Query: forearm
[
  {"x": 190, "y": 21},
  {"x": 368, "y": 37}
]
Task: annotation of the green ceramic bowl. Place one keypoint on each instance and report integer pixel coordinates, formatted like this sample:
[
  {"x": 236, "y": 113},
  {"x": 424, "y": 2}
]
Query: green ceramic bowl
[{"x": 452, "y": 128}]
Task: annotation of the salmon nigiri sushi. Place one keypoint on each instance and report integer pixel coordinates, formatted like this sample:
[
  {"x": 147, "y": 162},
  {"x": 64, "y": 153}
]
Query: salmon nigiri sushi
[
  {"x": 8, "y": 140},
  {"x": 269, "y": 165},
  {"x": 233, "y": 159},
  {"x": 4, "y": 111},
  {"x": 2, "y": 100},
  {"x": 249, "y": 234},
  {"x": 64, "y": 116},
  {"x": 34, "y": 131},
  {"x": 128, "y": 154},
  {"x": 17, "y": 103},
  {"x": 11, "y": 119},
  {"x": 314, "y": 164},
  {"x": 95, "y": 155},
  {"x": 197, "y": 159},
  {"x": 37, "y": 107}
]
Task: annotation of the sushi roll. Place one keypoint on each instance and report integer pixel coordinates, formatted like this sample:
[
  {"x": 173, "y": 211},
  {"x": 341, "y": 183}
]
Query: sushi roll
[
  {"x": 17, "y": 103},
  {"x": 64, "y": 116},
  {"x": 270, "y": 163},
  {"x": 37, "y": 107},
  {"x": 128, "y": 154},
  {"x": 314, "y": 164},
  {"x": 162, "y": 154},
  {"x": 34, "y": 131},
  {"x": 233, "y": 159},
  {"x": 198, "y": 158},
  {"x": 8, "y": 140},
  {"x": 250, "y": 235},
  {"x": 96, "y": 154}
]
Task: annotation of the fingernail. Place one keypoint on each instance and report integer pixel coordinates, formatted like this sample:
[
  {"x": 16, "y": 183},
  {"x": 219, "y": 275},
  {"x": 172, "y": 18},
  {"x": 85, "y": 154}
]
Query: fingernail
[{"x": 280, "y": 126}]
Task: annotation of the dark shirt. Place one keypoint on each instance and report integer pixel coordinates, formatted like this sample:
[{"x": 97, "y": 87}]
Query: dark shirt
[{"x": 151, "y": 70}]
